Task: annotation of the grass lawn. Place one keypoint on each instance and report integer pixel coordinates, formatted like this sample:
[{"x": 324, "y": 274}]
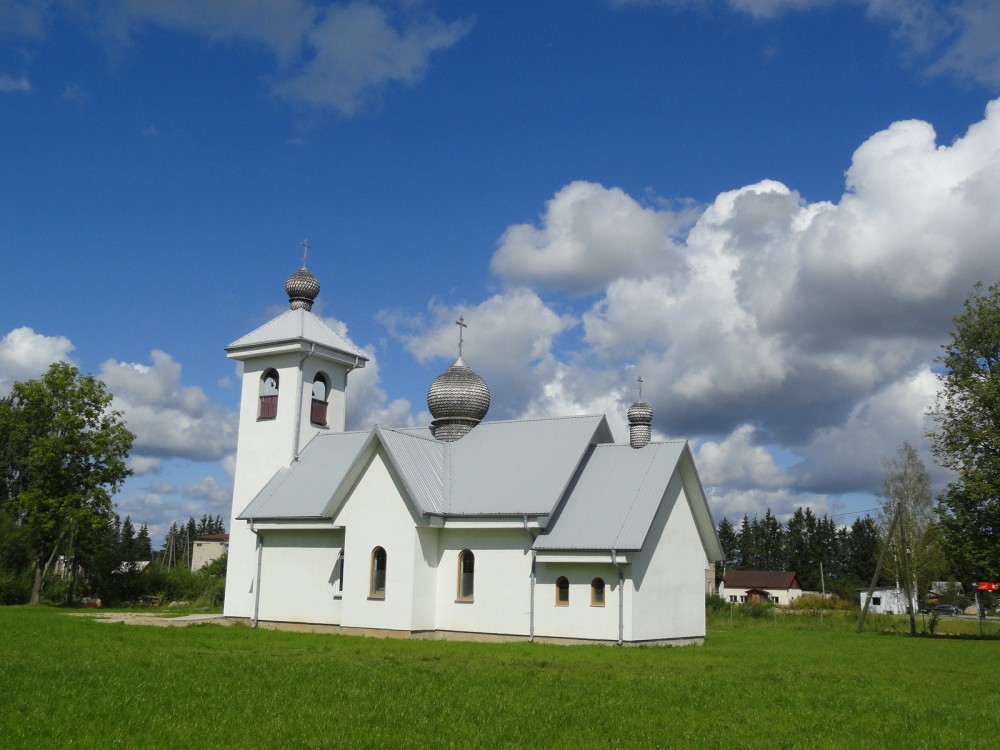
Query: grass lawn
[{"x": 72, "y": 682}]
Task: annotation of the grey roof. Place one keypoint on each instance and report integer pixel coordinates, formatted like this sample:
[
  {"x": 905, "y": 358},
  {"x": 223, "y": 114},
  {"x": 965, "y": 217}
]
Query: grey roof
[
  {"x": 613, "y": 502},
  {"x": 304, "y": 489},
  {"x": 295, "y": 326},
  {"x": 519, "y": 467},
  {"x": 603, "y": 495}
]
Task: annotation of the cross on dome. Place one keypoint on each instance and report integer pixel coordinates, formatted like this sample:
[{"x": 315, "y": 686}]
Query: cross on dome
[
  {"x": 461, "y": 325},
  {"x": 305, "y": 251}
]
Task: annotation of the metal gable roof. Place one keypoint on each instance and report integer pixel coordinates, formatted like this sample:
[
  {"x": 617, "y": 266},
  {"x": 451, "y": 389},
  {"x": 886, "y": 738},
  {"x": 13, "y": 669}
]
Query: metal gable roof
[
  {"x": 420, "y": 462},
  {"x": 296, "y": 325},
  {"x": 518, "y": 467},
  {"x": 303, "y": 489},
  {"x": 612, "y": 504}
]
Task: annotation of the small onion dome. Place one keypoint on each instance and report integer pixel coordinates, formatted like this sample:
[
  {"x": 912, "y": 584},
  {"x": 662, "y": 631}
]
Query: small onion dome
[
  {"x": 458, "y": 399},
  {"x": 640, "y": 417},
  {"x": 302, "y": 288}
]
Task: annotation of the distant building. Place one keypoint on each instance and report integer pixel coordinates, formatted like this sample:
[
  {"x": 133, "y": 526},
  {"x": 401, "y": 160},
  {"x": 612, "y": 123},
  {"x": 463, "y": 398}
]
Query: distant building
[
  {"x": 778, "y": 586},
  {"x": 527, "y": 529},
  {"x": 206, "y": 548},
  {"x": 886, "y": 600}
]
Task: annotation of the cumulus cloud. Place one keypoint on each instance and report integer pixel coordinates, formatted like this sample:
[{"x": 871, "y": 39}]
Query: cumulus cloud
[
  {"x": 589, "y": 235},
  {"x": 169, "y": 419},
  {"x": 337, "y": 56},
  {"x": 25, "y": 354},
  {"x": 508, "y": 342}
]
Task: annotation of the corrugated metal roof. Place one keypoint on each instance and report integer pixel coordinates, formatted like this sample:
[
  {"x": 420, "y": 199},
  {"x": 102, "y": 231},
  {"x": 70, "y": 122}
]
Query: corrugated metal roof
[
  {"x": 420, "y": 463},
  {"x": 294, "y": 325},
  {"x": 304, "y": 489},
  {"x": 615, "y": 498},
  {"x": 517, "y": 467}
]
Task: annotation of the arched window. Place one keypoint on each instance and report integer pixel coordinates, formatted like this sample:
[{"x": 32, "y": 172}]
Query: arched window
[
  {"x": 377, "y": 588},
  {"x": 597, "y": 592},
  {"x": 466, "y": 575},
  {"x": 320, "y": 390},
  {"x": 562, "y": 591},
  {"x": 268, "y": 407},
  {"x": 340, "y": 571}
]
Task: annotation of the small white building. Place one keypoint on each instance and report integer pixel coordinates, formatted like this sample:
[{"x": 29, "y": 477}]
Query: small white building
[
  {"x": 886, "y": 600},
  {"x": 777, "y": 586},
  {"x": 528, "y": 529}
]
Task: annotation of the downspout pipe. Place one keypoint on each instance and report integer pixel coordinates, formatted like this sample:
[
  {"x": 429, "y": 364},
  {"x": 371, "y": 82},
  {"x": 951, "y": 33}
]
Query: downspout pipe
[
  {"x": 531, "y": 603},
  {"x": 298, "y": 403},
  {"x": 621, "y": 598},
  {"x": 256, "y": 582}
]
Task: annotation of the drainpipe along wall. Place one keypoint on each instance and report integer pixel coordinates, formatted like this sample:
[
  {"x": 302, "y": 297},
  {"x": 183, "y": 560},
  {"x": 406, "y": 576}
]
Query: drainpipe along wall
[
  {"x": 256, "y": 581},
  {"x": 298, "y": 403},
  {"x": 531, "y": 603},
  {"x": 621, "y": 598}
]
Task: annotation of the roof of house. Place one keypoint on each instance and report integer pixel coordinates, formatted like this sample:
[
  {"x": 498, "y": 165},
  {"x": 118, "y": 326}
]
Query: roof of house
[
  {"x": 298, "y": 325},
  {"x": 763, "y": 579},
  {"x": 598, "y": 495}
]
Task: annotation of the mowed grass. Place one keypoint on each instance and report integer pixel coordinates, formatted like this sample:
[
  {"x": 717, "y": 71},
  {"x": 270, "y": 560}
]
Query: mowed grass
[{"x": 71, "y": 682}]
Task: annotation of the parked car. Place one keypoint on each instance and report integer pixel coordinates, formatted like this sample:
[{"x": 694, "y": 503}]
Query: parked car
[{"x": 951, "y": 610}]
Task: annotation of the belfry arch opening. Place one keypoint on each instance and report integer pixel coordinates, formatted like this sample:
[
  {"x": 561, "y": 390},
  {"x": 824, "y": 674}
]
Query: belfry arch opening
[
  {"x": 320, "y": 394},
  {"x": 267, "y": 407}
]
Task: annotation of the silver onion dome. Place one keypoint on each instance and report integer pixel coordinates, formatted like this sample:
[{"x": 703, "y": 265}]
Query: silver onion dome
[
  {"x": 302, "y": 288},
  {"x": 458, "y": 399},
  {"x": 640, "y": 417}
]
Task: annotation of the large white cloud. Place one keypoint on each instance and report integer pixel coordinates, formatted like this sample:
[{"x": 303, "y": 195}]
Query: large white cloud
[
  {"x": 169, "y": 419},
  {"x": 589, "y": 236},
  {"x": 25, "y": 354}
]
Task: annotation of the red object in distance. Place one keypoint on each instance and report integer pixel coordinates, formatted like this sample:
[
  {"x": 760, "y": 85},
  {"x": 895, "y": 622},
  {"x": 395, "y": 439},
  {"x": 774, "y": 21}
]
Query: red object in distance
[{"x": 984, "y": 586}]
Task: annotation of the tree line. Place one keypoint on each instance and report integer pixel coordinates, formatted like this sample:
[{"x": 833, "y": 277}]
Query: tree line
[{"x": 825, "y": 556}]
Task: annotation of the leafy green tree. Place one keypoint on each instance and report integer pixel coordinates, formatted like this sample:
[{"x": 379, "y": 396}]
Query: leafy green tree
[
  {"x": 63, "y": 452},
  {"x": 967, "y": 438}
]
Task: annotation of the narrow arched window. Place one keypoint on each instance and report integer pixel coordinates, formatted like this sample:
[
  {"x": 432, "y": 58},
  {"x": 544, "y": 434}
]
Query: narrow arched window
[
  {"x": 466, "y": 575},
  {"x": 340, "y": 571},
  {"x": 597, "y": 592},
  {"x": 562, "y": 591},
  {"x": 320, "y": 390},
  {"x": 268, "y": 391},
  {"x": 377, "y": 588}
]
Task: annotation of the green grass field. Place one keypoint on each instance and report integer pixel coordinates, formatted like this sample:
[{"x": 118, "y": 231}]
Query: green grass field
[{"x": 71, "y": 682}]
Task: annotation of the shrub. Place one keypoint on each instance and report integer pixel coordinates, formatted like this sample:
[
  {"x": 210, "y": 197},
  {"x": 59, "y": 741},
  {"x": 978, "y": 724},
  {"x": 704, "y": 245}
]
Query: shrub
[
  {"x": 15, "y": 586},
  {"x": 715, "y": 603},
  {"x": 758, "y": 609},
  {"x": 818, "y": 602}
]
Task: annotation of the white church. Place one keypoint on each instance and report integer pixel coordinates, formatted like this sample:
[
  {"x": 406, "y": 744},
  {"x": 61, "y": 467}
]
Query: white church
[{"x": 535, "y": 529}]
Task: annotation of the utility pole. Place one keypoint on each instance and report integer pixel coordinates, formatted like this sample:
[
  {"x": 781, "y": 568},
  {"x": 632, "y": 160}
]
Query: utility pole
[{"x": 878, "y": 570}]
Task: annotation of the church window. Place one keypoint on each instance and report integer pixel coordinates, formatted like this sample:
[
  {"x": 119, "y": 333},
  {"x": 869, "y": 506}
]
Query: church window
[
  {"x": 562, "y": 591},
  {"x": 466, "y": 575},
  {"x": 597, "y": 592},
  {"x": 377, "y": 588},
  {"x": 340, "y": 571},
  {"x": 268, "y": 407},
  {"x": 320, "y": 389}
]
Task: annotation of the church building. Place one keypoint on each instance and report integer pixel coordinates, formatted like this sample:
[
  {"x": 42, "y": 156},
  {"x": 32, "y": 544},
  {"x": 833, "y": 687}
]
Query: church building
[{"x": 530, "y": 529}]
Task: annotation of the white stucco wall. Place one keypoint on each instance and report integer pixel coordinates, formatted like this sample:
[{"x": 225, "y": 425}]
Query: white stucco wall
[
  {"x": 376, "y": 515},
  {"x": 579, "y": 618},
  {"x": 502, "y": 581},
  {"x": 669, "y": 573},
  {"x": 298, "y": 580}
]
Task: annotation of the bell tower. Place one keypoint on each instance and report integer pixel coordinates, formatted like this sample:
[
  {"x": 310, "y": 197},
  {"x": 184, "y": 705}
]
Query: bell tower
[{"x": 295, "y": 370}]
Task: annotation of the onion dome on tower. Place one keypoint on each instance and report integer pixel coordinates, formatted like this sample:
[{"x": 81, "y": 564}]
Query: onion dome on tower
[
  {"x": 640, "y": 417},
  {"x": 458, "y": 399},
  {"x": 302, "y": 287}
]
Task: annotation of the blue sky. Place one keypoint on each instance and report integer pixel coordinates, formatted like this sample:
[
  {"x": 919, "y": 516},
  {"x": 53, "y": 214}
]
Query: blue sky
[{"x": 768, "y": 209}]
